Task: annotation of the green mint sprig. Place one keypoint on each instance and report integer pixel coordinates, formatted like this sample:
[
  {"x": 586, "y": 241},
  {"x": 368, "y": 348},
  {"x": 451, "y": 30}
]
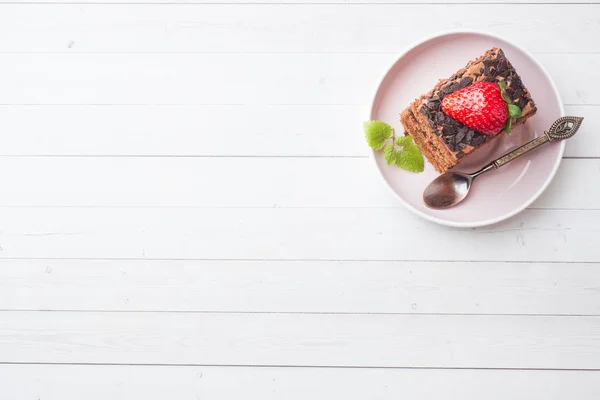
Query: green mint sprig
[
  {"x": 400, "y": 151},
  {"x": 513, "y": 110}
]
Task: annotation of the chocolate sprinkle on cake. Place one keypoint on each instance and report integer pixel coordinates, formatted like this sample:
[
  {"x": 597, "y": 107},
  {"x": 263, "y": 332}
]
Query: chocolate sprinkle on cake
[{"x": 445, "y": 141}]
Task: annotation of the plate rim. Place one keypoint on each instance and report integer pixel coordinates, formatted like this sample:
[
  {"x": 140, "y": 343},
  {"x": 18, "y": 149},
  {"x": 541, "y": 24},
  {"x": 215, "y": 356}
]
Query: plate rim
[{"x": 528, "y": 202}]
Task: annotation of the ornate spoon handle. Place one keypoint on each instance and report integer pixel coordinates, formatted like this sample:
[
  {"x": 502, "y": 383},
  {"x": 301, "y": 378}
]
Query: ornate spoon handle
[
  {"x": 527, "y": 147},
  {"x": 562, "y": 128}
]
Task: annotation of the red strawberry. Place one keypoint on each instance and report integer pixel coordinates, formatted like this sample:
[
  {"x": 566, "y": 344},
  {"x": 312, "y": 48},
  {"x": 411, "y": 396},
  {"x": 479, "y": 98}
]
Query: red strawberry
[{"x": 479, "y": 106}]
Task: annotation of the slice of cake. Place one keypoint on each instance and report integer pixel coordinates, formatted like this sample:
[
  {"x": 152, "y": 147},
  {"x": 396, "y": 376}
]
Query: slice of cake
[{"x": 445, "y": 141}]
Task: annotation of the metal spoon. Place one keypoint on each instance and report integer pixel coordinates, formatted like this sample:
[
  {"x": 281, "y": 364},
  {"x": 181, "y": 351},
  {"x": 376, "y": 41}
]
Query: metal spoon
[{"x": 451, "y": 188}]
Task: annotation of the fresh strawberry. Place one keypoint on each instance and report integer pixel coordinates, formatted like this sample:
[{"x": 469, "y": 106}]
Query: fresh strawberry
[{"x": 479, "y": 106}]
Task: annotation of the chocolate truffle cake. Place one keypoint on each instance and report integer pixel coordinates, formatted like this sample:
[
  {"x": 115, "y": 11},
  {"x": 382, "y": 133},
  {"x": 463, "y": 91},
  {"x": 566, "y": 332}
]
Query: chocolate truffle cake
[{"x": 445, "y": 141}]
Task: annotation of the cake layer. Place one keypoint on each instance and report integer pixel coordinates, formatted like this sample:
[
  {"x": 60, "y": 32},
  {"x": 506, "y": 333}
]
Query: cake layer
[
  {"x": 427, "y": 142},
  {"x": 445, "y": 141}
]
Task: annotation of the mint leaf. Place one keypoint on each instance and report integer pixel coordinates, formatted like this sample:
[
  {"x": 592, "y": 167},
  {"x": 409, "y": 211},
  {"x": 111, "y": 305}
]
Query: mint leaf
[
  {"x": 389, "y": 153},
  {"x": 508, "y": 125},
  {"x": 514, "y": 111},
  {"x": 410, "y": 158},
  {"x": 404, "y": 140},
  {"x": 377, "y": 133}
]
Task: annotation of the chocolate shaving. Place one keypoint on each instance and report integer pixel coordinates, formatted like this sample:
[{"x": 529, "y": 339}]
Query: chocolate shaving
[
  {"x": 440, "y": 117},
  {"x": 460, "y": 135},
  {"x": 465, "y": 82},
  {"x": 517, "y": 93},
  {"x": 455, "y": 135},
  {"x": 478, "y": 140},
  {"x": 449, "y": 131},
  {"x": 503, "y": 65},
  {"x": 469, "y": 136},
  {"x": 453, "y": 87}
]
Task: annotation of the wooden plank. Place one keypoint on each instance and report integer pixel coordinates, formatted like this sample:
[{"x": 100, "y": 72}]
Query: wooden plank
[
  {"x": 244, "y": 130},
  {"x": 265, "y": 79},
  {"x": 291, "y": 234},
  {"x": 97, "y": 382},
  {"x": 237, "y": 182},
  {"x": 565, "y": 188},
  {"x": 301, "y": 286},
  {"x": 190, "y": 130},
  {"x": 297, "y": 2},
  {"x": 301, "y": 340},
  {"x": 579, "y": 145},
  {"x": 366, "y": 28}
]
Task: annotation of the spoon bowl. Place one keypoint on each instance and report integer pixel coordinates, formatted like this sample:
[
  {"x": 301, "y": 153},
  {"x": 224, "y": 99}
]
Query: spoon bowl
[
  {"x": 447, "y": 190},
  {"x": 451, "y": 188}
]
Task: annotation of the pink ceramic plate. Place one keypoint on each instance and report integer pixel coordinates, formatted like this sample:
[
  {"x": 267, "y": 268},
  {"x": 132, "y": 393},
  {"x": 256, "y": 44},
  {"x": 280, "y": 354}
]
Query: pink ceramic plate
[{"x": 498, "y": 194}]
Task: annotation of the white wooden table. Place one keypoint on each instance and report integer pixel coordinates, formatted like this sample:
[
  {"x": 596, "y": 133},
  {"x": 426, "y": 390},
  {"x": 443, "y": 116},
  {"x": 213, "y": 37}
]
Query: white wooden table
[{"x": 188, "y": 211}]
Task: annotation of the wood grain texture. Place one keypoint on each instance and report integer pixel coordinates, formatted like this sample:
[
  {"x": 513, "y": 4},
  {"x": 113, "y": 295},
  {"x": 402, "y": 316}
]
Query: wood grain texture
[
  {"x": 301, "y": 340},
  {"x": 265, "y": 79},
  {"x": 301, "y": 286},
  {"x": 237, "y": 182},
  {"x": 287, "y": 2},
  {"x": 222, "y": 130},
  {"x": 66, "y": 382},
  {"x": 291, "y": 233},
  {"x": 186, "y": 186},
  {"x": 305, "y": 28}
]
